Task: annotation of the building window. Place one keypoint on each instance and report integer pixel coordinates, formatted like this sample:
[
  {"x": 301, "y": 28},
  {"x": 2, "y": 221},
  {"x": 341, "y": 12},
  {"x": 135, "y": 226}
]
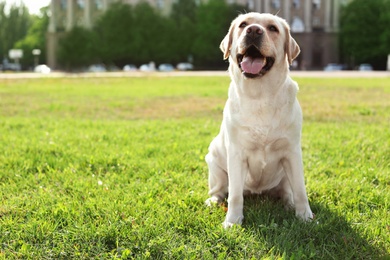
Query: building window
[
  {"x": 316, "y": 4},
  {"x": 99, "y": 4},
  {"x": 80, "y": 4},
  {"x": 63, "y": 4},
  {"x": 251, "y": 4},
  {"x": 160, "y": 4},
  {"x": 296, "y": 4},
  {"x": 276, "y": 4},
  {"x": 297, "y": 25}
]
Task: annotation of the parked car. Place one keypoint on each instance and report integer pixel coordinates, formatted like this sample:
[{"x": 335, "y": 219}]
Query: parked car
[
  {"x": 42, "y": 68},
  {"x": 333, "y": 67},
  {"x": 129, "y": 67},
  {"x": 12, "y": 67},
  {"x": 145, "y": 67},
  {"x": 184, "y": 66},
  {"x": 166, "y": 67},
  {"x": 365, "y": 67},
  {"x": 97, "y": 68}
]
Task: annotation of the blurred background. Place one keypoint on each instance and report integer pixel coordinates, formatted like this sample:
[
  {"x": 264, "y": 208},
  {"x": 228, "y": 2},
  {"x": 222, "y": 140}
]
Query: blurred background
[{"x": 146, "y": 35}]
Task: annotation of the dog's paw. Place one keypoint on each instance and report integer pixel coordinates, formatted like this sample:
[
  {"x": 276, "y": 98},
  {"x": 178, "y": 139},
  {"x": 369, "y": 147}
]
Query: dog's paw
[
  {"x": 232, "y": 221},
  {"x": 213, "y": 201},
  {"x": 227, "y": 225},
  {"x": 305, "y": 215}
]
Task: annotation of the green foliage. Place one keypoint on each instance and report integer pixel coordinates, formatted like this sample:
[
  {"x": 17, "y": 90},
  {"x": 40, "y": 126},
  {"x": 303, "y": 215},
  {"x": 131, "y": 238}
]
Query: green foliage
[
  {"x": 14, "y": 25},
  {"x": 365, "y": 34},
  {"x": 115, "y": 32},
  {"x": 153, "y": 33},
  {"x": 77, "y": 48},
  {"x": 184, "y": 9},
  {"x": 114, "y": 168},
  {"x": 140, "y": 34},
  {"x": 35, "y": 39},
  {"x": 385, "y": 35},
  {"x": 213, "y": 21},
  {"x": 184, "y": 18}
]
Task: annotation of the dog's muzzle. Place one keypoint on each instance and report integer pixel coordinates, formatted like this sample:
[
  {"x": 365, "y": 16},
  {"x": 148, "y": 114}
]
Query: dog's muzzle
[{"x": 251, "y": 61}]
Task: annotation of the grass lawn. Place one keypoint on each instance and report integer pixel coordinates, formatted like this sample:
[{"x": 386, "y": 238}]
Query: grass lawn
[{"x": 114, "y": 168}]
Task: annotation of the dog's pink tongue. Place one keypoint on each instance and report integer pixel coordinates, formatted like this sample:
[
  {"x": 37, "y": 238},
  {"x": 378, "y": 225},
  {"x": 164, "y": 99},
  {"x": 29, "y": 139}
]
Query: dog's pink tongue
[{"x": 252, "y": 65}]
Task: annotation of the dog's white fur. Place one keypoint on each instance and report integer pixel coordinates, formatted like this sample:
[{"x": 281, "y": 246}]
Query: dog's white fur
[{"x": 258, "y": 147}]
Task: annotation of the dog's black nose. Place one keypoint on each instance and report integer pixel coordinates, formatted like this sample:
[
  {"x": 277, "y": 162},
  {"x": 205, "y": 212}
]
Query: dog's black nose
[{"x": 254, "y": 31}]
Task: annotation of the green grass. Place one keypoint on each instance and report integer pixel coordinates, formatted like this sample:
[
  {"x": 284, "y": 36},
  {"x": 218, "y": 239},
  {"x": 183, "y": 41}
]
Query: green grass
[{"x": 105, "y": 168}]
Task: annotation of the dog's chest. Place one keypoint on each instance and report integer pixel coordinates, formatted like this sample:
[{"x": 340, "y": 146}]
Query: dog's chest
[
  {"x": 263, "y": 146},
  {"x": 254, "y": 137},
  {"x": 261, "y": 134},
  {"x": 257, "y": 128}
]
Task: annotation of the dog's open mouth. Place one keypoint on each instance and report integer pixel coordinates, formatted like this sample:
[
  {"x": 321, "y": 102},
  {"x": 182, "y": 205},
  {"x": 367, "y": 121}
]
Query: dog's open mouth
[{"x": 253, "y": 64}]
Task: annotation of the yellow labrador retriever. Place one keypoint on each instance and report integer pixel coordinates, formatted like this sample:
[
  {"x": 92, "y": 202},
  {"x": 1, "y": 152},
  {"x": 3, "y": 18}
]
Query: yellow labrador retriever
[{"x": 258, "y": 148}]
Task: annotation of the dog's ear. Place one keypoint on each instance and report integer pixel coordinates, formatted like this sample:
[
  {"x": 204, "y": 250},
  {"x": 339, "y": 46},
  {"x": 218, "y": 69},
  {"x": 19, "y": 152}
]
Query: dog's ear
[
  {"x": 226, "y": 43},
  {"x": 291, "y": 47}
]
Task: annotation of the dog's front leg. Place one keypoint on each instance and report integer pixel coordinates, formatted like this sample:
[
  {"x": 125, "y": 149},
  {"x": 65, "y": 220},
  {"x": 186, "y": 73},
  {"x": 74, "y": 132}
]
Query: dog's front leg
[
  {"x": 237, "y": 171},
  {"x": 293, "y": 167}
]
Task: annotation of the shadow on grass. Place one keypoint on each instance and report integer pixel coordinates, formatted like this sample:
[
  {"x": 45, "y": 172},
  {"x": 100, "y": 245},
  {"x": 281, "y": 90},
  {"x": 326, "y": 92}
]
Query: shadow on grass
[{"x": 329, "y": 236}]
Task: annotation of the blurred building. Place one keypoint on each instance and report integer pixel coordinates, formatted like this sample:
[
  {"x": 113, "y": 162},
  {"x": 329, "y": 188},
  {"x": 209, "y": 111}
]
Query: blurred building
[
  {"x": 314, "y": 23},
  {"x": 69, "y": 13},
  {"x": 65, "y": 14}
]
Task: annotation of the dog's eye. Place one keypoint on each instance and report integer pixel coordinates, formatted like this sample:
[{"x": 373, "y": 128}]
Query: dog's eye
[
  {"x": 273, "y": 28},
  {"x": 243, "y": 25}
]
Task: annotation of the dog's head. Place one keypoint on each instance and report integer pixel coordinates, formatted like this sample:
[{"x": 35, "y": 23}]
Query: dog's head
[{"x": 258, "y": 42}]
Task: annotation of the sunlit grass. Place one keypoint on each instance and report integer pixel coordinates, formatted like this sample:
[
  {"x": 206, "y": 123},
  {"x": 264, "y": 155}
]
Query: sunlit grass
[
  {"x": 100, "y": 168},
  {"x": 351, "y": 99}
]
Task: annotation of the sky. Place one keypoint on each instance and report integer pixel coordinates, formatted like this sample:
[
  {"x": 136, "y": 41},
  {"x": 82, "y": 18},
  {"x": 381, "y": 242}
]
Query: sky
[{"x": 33, "y": 5}]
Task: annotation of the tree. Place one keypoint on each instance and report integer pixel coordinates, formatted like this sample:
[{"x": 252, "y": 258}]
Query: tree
[
  {"x": 152, "y": 35},
  {"x": 184, "y": 9},
  {"x": 78, "y": 48},
  {"x": 136, "y": 34},
  {"x": 35, "y": 39},
  {"x": 384, "y": 18},
  {"x": 213, "y": 21},
  {"x": 140, "y": 34},
  {"x": 14, "y": 24},
  {"x": 115, "y": 30},
  {"x": 183, "y": 16},
  {"x": 365, "y": 32}
]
